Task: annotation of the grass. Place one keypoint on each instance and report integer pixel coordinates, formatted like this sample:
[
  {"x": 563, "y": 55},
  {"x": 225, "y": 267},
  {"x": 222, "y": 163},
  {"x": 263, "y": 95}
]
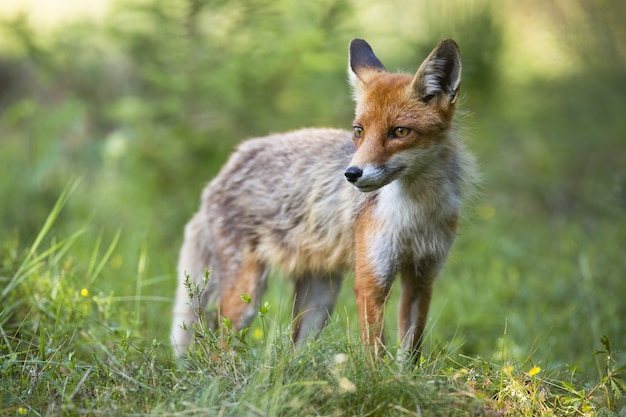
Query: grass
[{"x": 66, "y": 351}]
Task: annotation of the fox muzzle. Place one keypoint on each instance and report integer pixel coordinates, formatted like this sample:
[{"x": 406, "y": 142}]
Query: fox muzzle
[{"x": 353, "y": 174}]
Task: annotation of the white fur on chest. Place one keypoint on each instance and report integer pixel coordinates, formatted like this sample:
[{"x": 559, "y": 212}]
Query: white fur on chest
[{"x": 411, "y": 226}]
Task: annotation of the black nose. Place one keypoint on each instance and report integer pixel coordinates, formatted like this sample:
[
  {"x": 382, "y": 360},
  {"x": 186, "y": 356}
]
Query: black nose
[{"x": 353, "y": 174}]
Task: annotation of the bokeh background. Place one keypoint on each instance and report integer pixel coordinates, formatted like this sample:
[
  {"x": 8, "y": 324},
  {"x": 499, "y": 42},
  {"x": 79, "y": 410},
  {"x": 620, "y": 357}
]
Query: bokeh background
[{"x": 143, "y": 100}]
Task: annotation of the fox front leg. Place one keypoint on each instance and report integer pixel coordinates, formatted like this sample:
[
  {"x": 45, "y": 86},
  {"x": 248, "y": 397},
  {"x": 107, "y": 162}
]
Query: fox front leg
[{"x": 372, "y": 283}]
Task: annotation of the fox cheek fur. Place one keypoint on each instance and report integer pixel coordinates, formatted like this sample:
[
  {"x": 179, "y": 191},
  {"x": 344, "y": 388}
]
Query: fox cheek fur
[
  {"x": 421, "y": 105},
  {"x": 312, "y": 204}
]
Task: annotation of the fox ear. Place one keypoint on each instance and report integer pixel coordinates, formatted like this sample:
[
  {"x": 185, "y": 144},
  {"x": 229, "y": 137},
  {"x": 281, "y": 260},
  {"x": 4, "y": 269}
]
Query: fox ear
[
  {"x": 440, "y": 73},
  {"x": 363, "y": 66}
]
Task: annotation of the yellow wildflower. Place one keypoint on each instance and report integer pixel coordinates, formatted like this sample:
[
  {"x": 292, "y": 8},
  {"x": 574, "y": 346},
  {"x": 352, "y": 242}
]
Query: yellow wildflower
[
  {"x": 84, "y": 292},
  {"x": 534, "y": 371},
  {"x": 257, "y": 334}
]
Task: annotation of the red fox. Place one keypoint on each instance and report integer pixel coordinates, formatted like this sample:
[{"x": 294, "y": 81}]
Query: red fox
[{"x": 383, "y": 199}]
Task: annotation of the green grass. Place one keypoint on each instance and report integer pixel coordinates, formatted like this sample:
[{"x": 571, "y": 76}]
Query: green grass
[{"x": 68, "y": 351}]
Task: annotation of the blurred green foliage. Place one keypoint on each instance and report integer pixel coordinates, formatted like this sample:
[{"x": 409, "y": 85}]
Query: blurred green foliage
[{"x": 146, "y": 106}]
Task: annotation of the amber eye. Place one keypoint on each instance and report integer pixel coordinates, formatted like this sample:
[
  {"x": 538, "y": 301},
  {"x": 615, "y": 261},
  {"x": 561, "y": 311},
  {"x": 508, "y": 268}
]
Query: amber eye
[
  {"x": 357, "y": 131},
  {"x": 400, "y": 132}
]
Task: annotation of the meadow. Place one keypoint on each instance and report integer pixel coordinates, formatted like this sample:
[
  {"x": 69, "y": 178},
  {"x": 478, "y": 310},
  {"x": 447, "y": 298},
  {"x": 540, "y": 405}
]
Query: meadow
[{"x": 109, "y": 129}]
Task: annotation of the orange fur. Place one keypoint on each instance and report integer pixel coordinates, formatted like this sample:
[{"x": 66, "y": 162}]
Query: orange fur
[
  {"x": 369, "y": 294},
  {"x": 232, "y": 304}
]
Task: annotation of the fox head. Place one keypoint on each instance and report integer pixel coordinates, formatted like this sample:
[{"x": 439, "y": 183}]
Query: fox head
[{"x": 400, "y": 120}]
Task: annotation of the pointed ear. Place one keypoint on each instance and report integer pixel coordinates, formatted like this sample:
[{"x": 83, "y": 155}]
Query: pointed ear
[
  {"x": 440, "y": 73},
  {"x": 363, "y": 66}
]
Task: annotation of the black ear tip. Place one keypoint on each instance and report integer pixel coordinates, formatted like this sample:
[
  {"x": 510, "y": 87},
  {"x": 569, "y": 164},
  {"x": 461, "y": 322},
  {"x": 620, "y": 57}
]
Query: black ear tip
[
  {"x": 450, "y": 41},
  {"x": 357, "y": 41},
  {"x": 358, "y": 44},
  {"x": 362, "y": 56},
  {"x": 449, "y": 46}
]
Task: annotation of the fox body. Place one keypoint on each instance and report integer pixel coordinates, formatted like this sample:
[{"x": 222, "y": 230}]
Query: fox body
[{"x": 382, "y": 200}]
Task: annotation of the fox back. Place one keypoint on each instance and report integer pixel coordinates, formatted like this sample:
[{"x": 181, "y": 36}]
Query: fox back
[{"x": 382, "y": 200}]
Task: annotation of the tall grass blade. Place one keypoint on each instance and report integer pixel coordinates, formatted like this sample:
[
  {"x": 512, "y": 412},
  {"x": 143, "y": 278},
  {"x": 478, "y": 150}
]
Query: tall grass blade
[
  {"x": 94, "y": 270},
  {"x": 31, "y": 261}
]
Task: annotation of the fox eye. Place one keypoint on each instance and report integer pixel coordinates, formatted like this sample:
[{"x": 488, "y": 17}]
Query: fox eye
[
  {"x": 357, "y": 131},
  {"x": 399, "y": 132}
]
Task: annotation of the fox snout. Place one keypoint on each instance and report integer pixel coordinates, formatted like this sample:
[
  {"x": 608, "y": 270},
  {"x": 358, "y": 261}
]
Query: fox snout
[
  {"x": 370, "y": 178},
  {"x": 353, "y": 174}
]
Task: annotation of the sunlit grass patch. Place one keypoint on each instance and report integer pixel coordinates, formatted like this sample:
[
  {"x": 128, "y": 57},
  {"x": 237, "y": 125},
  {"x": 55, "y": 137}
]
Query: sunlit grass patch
[{"x": 66, "y": 351}]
